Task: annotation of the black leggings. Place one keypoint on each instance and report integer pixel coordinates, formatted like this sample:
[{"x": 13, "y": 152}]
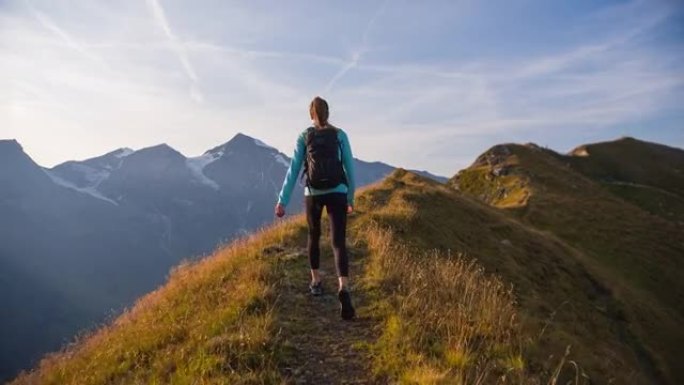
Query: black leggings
[{"x": 336, "y": 204}]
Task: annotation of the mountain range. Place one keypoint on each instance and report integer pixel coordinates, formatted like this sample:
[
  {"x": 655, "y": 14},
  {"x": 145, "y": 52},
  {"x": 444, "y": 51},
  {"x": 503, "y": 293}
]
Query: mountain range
[{"x": 82, "y": 240}]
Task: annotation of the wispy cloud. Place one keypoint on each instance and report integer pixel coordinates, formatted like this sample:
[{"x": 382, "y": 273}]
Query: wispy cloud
[
  {"x": 359, "y": 52},
  {"x": 649, "y": 17},
  {"x": 177, "y": 46},
  {"x": 430, "y": 98},
  {"x": 356, "y": 56},
  {"x": 47, "y": 23},
  {"x": 263, "y": 54}
]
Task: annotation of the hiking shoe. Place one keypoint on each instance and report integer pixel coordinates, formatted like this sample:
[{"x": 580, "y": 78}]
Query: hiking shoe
[
  {"x": 316, "y": 289},
  {"x": 346, "y": 309}
]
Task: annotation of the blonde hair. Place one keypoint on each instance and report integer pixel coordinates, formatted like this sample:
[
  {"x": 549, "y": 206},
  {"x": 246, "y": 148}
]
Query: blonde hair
[{"x": 319, "y": 112}]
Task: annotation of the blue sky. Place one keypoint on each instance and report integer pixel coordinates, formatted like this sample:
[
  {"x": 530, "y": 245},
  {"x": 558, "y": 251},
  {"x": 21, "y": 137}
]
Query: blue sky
[{"x": 425, "y": 85}]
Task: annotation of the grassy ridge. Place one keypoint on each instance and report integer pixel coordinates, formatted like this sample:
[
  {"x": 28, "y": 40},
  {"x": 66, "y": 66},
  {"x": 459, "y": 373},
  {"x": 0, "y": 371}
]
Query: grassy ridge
[
  {"x": 475, "y": 339},
  {"x": 636, "y": 255},
  {"x": 559, "y": 302},
  {"x": 648, "y": 175},
  {"x": 634, "y": 161}
]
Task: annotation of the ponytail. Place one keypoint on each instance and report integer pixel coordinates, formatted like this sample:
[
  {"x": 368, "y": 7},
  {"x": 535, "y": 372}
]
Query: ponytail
[{"x": 318, "y": 109}]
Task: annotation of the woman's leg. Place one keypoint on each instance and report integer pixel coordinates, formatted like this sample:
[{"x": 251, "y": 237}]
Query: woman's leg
[
  {"x": 314, "y": 209},
  {"x": 337, "y": 212}
]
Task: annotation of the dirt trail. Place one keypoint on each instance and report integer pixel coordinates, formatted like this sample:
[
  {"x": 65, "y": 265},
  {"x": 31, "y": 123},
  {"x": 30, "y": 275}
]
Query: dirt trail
[{"x": 321, "y": 348}]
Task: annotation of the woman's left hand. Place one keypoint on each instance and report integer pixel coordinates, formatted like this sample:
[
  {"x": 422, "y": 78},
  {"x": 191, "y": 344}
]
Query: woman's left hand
[
  {"x": 350, "y": 209},
  {"x": 279, "y": 210}
]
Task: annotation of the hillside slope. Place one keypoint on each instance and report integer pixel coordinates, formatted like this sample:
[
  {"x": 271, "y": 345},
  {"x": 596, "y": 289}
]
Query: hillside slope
[
  {"x": 433, "y": 272},
  {"x": 649, "y": 175},
  {"x": 636, "y": 253},
  {"x": 633, "y": 161},
  {"x": 555, "y": 292}
]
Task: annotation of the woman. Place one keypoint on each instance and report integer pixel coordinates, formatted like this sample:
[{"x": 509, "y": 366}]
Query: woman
[{"x": 326, "y": 154}]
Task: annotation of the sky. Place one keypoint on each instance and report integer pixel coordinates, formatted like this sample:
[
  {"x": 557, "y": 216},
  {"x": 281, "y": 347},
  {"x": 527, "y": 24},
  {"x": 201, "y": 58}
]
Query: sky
[{"x": 417, "y": 84}]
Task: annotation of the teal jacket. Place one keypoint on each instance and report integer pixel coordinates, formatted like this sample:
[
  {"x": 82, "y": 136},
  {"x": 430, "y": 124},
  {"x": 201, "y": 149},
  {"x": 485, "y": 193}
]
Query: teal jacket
[{"x": 345, "y": 154}]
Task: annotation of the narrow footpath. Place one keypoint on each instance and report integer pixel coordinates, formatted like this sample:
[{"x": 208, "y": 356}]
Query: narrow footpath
[{"x": 320, "y": 347}]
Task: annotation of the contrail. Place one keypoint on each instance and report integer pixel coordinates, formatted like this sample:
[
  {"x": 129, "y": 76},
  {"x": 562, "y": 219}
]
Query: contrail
[
  {"x": 343, "y": 71},
  {"x": 50, "y": 25},
  {"x": 160, "y": 18},
  {"x": 356, "y": 56}
]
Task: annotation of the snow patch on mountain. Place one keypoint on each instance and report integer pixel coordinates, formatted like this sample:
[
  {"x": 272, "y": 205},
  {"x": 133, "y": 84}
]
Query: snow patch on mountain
[
  {"x": 197, "y": 165},
  {"x": 93, "y": 175},
  {"x": 216, "y": 154},
  {"x": 84, "y": 190},
  {"x": 282, "y": 160},
  {"x": 262, "y": 144},
  {"x": 124, "y": 152}
]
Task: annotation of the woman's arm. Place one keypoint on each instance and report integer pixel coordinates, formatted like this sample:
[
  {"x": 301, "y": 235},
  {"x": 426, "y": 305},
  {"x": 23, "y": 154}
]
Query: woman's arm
[{"x": 292, "y": 172}]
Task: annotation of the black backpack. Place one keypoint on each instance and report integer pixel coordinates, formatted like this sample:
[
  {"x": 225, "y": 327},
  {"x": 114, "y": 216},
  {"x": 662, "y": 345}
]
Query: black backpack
[{"x": 323, "y": 167}]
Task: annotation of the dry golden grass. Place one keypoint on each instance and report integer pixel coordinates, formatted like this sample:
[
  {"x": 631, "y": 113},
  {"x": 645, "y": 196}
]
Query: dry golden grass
[
  {"x": 446, "y": 320},
  {"x": 212, "y": 323},
  {"x": 554, "y": 292}
]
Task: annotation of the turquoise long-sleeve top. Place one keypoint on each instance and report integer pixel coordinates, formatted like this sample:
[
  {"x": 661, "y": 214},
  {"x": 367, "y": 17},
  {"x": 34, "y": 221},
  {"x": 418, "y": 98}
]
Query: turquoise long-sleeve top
[{"x": 345, "y": 154}]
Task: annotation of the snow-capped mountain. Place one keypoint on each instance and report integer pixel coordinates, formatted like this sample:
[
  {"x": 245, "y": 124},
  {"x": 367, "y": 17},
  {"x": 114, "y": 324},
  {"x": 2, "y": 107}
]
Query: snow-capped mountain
[
  {"x": 91, "y": 172},
  {"x": 86, "y": 176},
  {"x": 66, "y": 258},
  {"x": 242, "y": 166},
  {"x": 245, "y": 164}
]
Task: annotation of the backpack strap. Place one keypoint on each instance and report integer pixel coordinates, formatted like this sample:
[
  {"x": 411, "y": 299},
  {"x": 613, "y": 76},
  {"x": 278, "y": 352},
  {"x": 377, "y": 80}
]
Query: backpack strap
[{"x": 344, "y": 173}]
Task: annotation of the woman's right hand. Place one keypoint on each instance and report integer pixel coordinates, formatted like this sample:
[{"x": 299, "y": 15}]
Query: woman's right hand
[{"x": 279, "y": 210}]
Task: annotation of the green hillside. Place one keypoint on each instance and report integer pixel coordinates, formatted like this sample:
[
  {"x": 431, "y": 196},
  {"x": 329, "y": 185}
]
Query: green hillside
[
  {"x": 632, "y": 161},
  {"x": 559, "y": 302},
  {"x": 637, "y": 255},
  {"x": 561, "y": 281},
  {"x": 648, "y": 175}
]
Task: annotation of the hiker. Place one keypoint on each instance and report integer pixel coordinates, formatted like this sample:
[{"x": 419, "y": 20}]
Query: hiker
[{"x": 326, "y": 155}]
